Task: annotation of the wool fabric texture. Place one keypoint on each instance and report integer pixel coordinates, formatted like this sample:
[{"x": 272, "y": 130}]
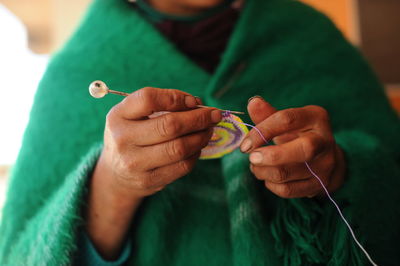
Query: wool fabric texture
[{"x": 219, "y": 214}]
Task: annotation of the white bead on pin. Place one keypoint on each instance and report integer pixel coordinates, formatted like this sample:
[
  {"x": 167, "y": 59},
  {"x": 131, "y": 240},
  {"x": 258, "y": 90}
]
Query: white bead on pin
[{"x": 99, "y": 89}]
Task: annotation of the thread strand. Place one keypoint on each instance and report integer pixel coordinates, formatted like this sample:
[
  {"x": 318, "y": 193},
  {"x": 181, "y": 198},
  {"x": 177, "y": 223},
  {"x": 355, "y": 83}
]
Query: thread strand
[{"x": 329, "y": 197}]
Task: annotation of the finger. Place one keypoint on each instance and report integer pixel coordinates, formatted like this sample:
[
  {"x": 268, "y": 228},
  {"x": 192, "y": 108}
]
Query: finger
[
  {"x": 172, "y": 151},
  {"x": 160, "y": 177},
  {"x": 285, "y": 138},
  {"x": 279, "y": 123},
  {"x": 259, "y": 109},
  {"x": 199, "y": 101},
  {"x": 281, "y": 174},
  {"x": 292, "y": 172},
  {"x": 147, "y": 101},
  {"x": 295, "y": 189},
  {"x": 172, "y": 125},
  {"x": 302, "y": 149}
]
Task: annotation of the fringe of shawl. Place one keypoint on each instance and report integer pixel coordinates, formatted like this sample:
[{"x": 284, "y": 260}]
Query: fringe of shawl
[{"x": 303, "y": 233}]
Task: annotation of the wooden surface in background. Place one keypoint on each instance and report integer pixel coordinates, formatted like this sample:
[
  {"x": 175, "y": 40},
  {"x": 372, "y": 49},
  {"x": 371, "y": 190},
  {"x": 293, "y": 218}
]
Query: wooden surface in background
[{"x": 380, "y": 35}]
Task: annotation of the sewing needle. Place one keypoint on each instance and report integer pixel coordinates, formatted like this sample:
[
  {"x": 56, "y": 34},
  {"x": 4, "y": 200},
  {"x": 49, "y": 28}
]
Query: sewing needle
[{"x": 99, "y": 89}]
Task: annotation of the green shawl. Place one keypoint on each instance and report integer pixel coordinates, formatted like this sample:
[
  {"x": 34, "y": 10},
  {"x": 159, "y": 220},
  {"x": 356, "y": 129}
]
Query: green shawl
[{"x": 219, "y": 214}]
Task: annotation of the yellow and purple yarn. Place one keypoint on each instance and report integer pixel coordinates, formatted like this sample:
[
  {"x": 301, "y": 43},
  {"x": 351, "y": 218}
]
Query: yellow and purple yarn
[{"x": 227, "y": 136}]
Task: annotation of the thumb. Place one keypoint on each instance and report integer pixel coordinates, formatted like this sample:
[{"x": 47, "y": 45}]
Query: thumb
[{"x": 259, "y": 109}]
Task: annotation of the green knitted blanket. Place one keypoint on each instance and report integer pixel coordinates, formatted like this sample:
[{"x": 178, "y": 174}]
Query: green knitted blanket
[{"x": 219, "y": 214}]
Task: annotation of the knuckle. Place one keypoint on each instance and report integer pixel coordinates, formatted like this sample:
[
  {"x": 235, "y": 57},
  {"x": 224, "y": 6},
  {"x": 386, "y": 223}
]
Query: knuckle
[
  {"x": 185, "y": 167},
  {"x": 119, "y": 143},
  {"x": 114, "y": 140},
  {"x": 174, "y": 98},
  {"x": 273, "y": 157},
  {"x": 149, "y": 180},
  {"x": 145, "y": 96},
  {"x": 321, "y": 112},
  {"x": 177, "y": 150},
  {"x": 202, "y": 120},
  {"x": 115, "y": 132},
  {"x": 285, "y": 191},
  {"x": 258, "y": 173},
  {"x": 125, "y": 167},
  {"x": 145, "y": 183},
  {"x": 118, "y": 139},
  {"x": 147, "y": 92},
  {"x": 131, "y": 164},
  {"x": 153, "y": 179},
  {"x": 310, "y": 148},
  {"x": 287, "y": 117},
  {"x": 166, "y": 126},
  {"x": 111, "y": 116},
  {"x": 280, "y": 174}
]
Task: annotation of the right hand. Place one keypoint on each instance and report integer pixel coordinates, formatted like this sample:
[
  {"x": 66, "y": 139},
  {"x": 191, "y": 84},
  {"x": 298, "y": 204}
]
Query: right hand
[{"x": 144, "y": 155}]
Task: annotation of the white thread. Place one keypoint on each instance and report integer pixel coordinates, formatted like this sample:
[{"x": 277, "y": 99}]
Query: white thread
[
  {"x": 227, "y": 114},
  {"x": 341, "y": 215}
]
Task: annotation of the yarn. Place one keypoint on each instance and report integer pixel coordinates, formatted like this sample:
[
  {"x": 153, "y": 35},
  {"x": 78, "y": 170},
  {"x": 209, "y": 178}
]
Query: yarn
[
  {"x": 227, "y": 136},
  {"x": 221, "y": 146}
]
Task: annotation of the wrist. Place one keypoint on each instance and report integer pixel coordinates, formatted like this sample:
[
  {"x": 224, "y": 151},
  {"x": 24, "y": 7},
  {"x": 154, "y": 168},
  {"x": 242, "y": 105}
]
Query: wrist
[{"x": 109, "y": 212}]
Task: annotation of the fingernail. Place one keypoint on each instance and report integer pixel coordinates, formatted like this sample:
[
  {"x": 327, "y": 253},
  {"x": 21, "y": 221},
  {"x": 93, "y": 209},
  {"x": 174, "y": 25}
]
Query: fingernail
[
  {"x": 246, "y": 145},
  {"x": 198, "y": 100},
  {"x": 256, "y": 157},
  {"x": 190, "y": 101},
  {"x": 254, "y": 97},
  {"x": 216, "y": 116}
]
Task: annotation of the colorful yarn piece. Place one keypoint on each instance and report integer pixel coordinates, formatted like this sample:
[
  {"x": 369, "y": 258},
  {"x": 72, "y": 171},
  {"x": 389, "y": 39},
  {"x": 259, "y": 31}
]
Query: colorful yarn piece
[{"x": 227, "y": 136}]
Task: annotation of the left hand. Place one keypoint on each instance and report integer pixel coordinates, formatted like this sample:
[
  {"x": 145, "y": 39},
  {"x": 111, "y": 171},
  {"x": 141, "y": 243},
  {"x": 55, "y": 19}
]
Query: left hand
[{"x": 301, "y": 135}]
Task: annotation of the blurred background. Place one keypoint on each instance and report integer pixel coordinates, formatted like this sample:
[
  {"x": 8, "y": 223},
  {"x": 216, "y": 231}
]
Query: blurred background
[{"x": 31, "y": 31}]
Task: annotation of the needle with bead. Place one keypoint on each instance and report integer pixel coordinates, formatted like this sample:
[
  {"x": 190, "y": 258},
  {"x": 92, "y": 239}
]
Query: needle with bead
[{"x": 99, "y": 89}]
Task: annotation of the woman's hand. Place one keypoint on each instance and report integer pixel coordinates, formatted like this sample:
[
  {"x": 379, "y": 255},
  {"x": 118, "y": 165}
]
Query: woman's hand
[
  {"x": 141, "y": 156},
  {"x": 301, "y": 135},
  {"x": 144, "y": 155}
]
